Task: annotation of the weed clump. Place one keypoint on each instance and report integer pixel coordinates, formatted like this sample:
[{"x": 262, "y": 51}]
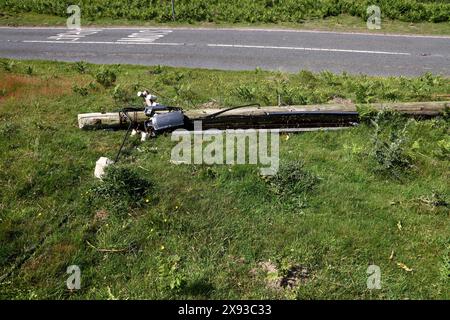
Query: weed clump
[
  {"x": 156, "y": 70},
  {"x": 443, "y": 151},
  {"x": 82, "y": 91},
  {"x": 8, "y": 129},
  {"x": 293, "y": 179},
  {"x": 389, "y": 144},
  {"x": 8, "y": 65},
  {"x": 170, "y": 274},
  {"x": 29, "y": 70},
  {"x": 246, "y": 92},
  {"x": 106, "y": 77},
  {"x": 121, "y": 95},
  {"x": 81, "y": 67},
  {"x": 121, "y": 187}
]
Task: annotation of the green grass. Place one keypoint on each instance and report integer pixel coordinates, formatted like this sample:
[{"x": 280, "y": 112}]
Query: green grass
[
  {"x": 202, "y": 231},
  {"x": 341, "y": 23}
]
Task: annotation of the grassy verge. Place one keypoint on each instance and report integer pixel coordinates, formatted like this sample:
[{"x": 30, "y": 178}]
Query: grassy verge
[
  {"x": 373, "y": 196},
  {"x": 342, "y": 23}
]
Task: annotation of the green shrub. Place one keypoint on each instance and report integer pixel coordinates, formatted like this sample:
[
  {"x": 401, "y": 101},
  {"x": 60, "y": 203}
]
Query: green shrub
[
  {"x": 308, "y": 78},
  {"x": 169, "y": 274},
  {"x": 366, "y": 113},
  {"x": 389, "y": 144},
  {"x": 158, "y": 69},
  {"x": 184, "y": 93},
  {"x": 29, "y": 70},
  {"x": 171, "y": 78},
  {"x": 106, "y": 77},
  {"x": 293, "y": 179},
  {"x": 121, "y": 187},
  {"x": 8, "y": 65},
  {"x": 81, "y": 67},
  {"x": 246, "y": 93},
  {"x": 443, "y": 151},
  {"x": 121, "y": 95},
  {"x": 8, "y": 129},
  {"x": 82, "y": 91},
  {"x": 250, "y": 11}
]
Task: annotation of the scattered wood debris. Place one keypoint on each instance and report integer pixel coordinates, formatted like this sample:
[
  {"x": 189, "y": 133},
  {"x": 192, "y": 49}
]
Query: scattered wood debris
[{"x": 404, "y": 267}]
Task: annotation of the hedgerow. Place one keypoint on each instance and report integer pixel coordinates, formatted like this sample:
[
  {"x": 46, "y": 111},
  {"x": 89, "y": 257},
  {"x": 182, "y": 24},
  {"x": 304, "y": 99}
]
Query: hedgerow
[{"x": 249, "y": 11}]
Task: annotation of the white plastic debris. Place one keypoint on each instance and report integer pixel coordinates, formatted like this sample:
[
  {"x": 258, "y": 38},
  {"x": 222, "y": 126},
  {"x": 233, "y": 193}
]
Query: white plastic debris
[
  {"x": 101, "y": 165},
  {"x": 150, "y": 100},
  {"x": 144, "y": 136}
]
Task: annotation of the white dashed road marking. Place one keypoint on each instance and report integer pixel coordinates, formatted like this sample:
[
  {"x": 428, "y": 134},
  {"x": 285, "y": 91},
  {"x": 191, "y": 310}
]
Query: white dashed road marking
[
  {"x": 307, "y": 49},
  {"x": 145, "y": 36},
  {"x": 73, "y": 35},
  {"x": 106, "y": 42}
]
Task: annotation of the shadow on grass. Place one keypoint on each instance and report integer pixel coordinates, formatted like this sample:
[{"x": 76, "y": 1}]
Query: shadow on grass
[{"x": 199, "y": 288}]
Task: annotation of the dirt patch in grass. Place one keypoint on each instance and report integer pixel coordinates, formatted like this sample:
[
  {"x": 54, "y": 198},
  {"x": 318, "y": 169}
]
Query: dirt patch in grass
[
  {"x": 100, "y": 216},
  {"x": 211, "y": 105},
  {"x": 28, "y": 88},
  {"x": 277, "y": 279},
  {"x": 340, "y": 100}
]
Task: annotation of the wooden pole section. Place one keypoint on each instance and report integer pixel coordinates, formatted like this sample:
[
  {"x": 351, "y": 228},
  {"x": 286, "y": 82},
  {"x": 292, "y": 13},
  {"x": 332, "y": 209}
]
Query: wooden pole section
[
  {"x": 108, "y": 120},
  {"x": 413, "y": 108},
  {"x": 115, "y": 120}
]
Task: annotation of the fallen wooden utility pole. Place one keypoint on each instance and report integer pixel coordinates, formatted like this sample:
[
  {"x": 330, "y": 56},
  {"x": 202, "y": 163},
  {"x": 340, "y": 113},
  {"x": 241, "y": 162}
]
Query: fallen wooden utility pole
[{"x": 307, "y": 116}]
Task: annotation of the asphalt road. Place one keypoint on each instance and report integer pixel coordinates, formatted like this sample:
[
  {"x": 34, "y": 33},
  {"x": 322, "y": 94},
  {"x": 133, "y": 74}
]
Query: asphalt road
[{"x": 234, "y": 49}]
